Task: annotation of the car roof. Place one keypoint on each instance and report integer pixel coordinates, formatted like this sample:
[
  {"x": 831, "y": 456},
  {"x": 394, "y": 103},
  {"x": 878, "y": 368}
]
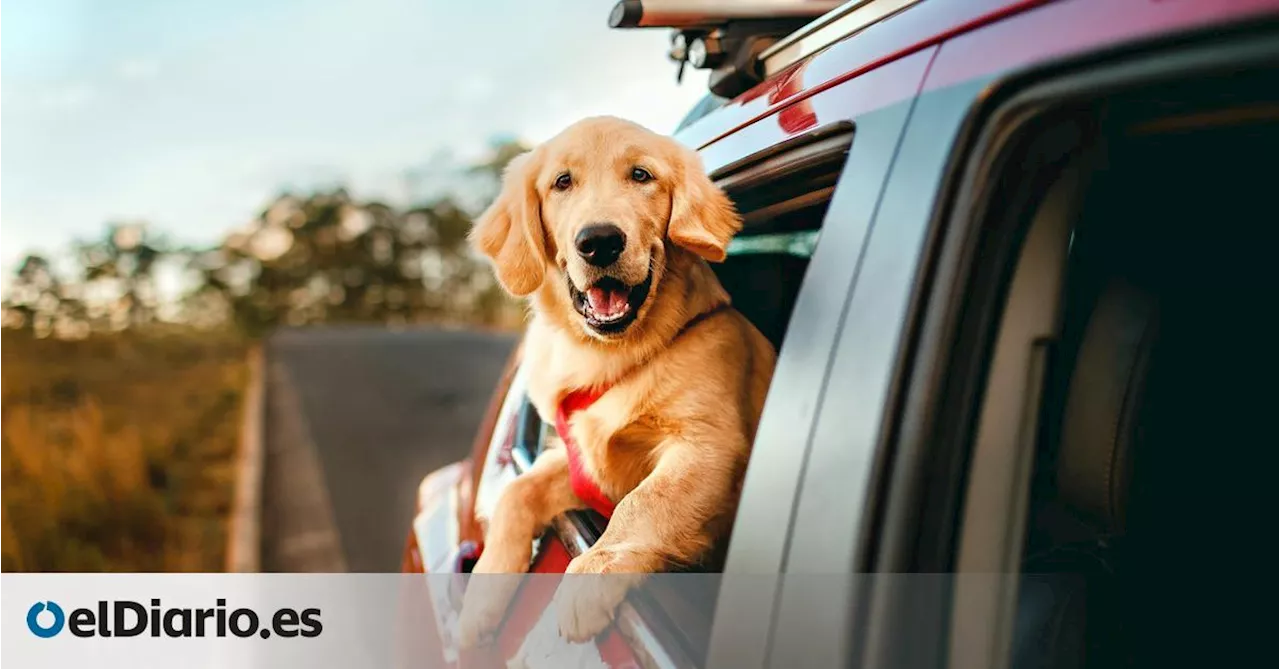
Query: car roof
[{"x": 814, "y": 57}]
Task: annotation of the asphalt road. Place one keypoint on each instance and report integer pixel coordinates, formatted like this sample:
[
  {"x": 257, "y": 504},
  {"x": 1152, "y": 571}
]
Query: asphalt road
[{"x": 355, "y": 417}]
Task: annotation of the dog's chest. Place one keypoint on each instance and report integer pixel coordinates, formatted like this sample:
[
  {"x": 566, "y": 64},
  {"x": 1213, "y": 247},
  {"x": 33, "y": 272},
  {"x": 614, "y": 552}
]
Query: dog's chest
[
  {"x": 616, "y": 444},
  {"x": 617, "y": 450}
]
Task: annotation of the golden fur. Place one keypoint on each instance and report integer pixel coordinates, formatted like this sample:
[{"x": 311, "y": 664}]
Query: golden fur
[{"x": 670, "y": 439}]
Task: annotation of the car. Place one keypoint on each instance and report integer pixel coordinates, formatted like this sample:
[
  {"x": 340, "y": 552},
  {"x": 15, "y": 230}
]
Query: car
[{"x": 1011, "y": 254}]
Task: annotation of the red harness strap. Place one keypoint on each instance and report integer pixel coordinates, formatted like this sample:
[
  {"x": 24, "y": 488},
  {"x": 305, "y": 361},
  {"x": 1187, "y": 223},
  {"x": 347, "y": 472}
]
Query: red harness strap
[{"x": 583, "y": 485}]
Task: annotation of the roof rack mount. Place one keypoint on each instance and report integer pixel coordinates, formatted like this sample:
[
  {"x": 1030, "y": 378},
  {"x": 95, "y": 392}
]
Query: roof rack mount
[
  {"x": 725, "y": 36},
  {"x": 712, "y": 13}
]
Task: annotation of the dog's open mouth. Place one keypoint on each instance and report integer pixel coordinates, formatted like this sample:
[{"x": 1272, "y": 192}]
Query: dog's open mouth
[{"x": 609, "y": 306}]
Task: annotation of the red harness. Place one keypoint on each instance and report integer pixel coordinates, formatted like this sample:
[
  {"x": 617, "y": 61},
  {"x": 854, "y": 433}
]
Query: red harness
[{"x": 583, "y": 485}]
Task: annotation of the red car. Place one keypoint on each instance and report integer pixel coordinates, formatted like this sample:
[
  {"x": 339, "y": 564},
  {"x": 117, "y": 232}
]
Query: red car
[{"x": 1011, "y": 253}]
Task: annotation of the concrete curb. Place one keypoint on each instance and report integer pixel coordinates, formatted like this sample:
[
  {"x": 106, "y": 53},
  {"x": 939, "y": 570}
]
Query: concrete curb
[
  {"x": 297, "y": 510},
  {"x": 244, "y": 536}
]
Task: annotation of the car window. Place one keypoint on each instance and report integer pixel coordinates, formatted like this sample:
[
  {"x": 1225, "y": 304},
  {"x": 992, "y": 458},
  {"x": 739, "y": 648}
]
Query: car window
[
  {"x": 530, "y": 433},
  {"x": 1101, "y": 392},
  {"x": 763, "y": 272},
  {"x": 784, "y": 209},
  {"x": 1129, "y": 402}
]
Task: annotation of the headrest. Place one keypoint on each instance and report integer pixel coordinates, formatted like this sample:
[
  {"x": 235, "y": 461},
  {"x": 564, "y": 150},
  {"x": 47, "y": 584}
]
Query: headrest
[{"x": 1100, "y": 418}]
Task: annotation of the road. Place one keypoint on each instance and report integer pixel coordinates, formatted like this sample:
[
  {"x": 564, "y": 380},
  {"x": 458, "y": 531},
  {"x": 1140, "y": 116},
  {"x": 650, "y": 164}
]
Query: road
[{"x": 355, "y": 417}]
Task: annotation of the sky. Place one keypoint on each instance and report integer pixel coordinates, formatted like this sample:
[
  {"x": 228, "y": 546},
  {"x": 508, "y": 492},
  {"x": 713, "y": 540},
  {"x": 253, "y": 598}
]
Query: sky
[{"x": 192, "y": 115}]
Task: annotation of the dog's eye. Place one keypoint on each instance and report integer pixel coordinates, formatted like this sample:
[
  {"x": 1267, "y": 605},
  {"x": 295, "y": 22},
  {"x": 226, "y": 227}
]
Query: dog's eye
[
  {"x": 563, "y": 182},
  {"x": 640, "y": 175}
]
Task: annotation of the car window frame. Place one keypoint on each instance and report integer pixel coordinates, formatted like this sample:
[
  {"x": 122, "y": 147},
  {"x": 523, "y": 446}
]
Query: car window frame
[{"x": 758, "y": 550}]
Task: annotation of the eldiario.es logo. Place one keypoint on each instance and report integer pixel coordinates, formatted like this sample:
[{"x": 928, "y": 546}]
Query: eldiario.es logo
[{"x": 124, "y": 618}]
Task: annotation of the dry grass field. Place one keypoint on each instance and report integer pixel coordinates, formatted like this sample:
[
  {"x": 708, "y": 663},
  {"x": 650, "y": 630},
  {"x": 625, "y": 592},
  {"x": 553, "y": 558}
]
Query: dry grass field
[{"x": 118, "y": 451}]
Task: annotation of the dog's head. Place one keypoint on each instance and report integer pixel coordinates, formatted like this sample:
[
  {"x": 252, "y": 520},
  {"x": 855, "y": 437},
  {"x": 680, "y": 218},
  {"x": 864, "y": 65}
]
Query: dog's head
[{"x": 591, "y": 216}]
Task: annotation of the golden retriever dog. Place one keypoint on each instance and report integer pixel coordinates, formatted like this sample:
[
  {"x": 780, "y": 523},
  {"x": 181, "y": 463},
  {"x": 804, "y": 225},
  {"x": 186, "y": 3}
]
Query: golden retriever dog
[{"x": 607, "y": 228}]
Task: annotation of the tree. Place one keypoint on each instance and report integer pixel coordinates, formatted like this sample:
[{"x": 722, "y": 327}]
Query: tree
[
  {"x": 323, "y": 257},
  {"x": 118, "y": 268},
  {"x": 41, "y": 302},
  {"x": 329, "y": 258}
]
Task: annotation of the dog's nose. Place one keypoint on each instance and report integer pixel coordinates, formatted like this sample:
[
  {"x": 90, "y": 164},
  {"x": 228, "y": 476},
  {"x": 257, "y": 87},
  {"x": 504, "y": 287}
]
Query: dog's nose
[{"x": 600, "y": 244}]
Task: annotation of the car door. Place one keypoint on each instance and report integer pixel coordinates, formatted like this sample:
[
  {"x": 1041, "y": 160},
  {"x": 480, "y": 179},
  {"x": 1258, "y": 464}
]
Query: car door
[{"x": 878, "y": 463}]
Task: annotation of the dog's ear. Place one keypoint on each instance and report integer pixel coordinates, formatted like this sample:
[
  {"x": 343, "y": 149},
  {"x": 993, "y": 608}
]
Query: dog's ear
[
  {"x": 703, "y": 219},
  {"x": 510, "y": 231}
]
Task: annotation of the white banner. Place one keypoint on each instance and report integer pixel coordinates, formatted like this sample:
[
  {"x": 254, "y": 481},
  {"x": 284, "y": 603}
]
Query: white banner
[
  {"x": 215, "y": 620},
  {"x": 322, "y": 621}
]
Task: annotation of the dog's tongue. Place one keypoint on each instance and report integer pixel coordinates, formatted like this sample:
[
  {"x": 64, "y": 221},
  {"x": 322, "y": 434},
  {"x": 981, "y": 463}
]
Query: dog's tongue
[{"x": 607, "y": 301}]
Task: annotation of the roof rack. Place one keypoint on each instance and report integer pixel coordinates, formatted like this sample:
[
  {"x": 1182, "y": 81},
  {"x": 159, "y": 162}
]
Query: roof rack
[
  {"x": 745, "y": 41},
  {"x": 711, "y": 13},
  {"x": 848, "y": 18},
  {"x": 725, "y": 36}
]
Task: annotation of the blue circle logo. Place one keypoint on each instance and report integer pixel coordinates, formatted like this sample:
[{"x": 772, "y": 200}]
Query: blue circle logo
[{"x": 33, "y": 619}]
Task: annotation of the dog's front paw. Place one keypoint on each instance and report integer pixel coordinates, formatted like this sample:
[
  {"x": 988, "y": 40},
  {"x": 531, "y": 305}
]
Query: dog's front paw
[
  {"x": 484, "y": 605},
  {"x": 585, "y": 607},
  {"x": 588, "y": 597}
]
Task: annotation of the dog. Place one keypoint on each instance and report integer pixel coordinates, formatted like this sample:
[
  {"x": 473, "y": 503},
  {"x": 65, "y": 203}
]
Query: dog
[{"x": 608, "y": 229}]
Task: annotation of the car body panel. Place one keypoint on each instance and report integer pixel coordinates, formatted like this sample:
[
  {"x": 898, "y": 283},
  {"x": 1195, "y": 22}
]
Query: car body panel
[
  {"x": 1044, "y": 30},
  {"x": 913, "y": 29},
  {"x": 1066, "y": 28},
  {"x": 803, "y": 358},
  {"x": 881, "y": 88},
  {"x": 767, "y": 508},
  {"x": 844, "y": 456},
  {"x": 469, "y": 529}
]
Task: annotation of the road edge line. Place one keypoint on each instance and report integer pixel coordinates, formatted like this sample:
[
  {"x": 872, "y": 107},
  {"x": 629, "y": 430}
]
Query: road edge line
[{"x": 244, "y": 537}]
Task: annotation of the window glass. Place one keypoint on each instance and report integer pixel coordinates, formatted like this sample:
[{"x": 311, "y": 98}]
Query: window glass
[{"x": 1150, "y": 364}]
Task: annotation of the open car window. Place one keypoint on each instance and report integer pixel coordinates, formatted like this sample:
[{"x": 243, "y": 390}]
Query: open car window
[{"x": 784, "y": 198}]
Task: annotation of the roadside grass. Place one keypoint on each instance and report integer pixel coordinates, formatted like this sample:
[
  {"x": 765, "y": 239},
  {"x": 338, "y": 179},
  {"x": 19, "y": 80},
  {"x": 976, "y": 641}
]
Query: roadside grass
[{"x": 118, "y": 451}]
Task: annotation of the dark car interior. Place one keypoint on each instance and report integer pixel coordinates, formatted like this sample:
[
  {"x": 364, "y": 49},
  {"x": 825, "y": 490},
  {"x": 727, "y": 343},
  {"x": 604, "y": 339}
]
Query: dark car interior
[
  {"x": 764, "y": 284},
  {"x": 1141, "y": 531}
]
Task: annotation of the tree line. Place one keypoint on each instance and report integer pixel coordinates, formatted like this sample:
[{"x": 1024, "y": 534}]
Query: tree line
[{"x": 322, "y": 257}]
